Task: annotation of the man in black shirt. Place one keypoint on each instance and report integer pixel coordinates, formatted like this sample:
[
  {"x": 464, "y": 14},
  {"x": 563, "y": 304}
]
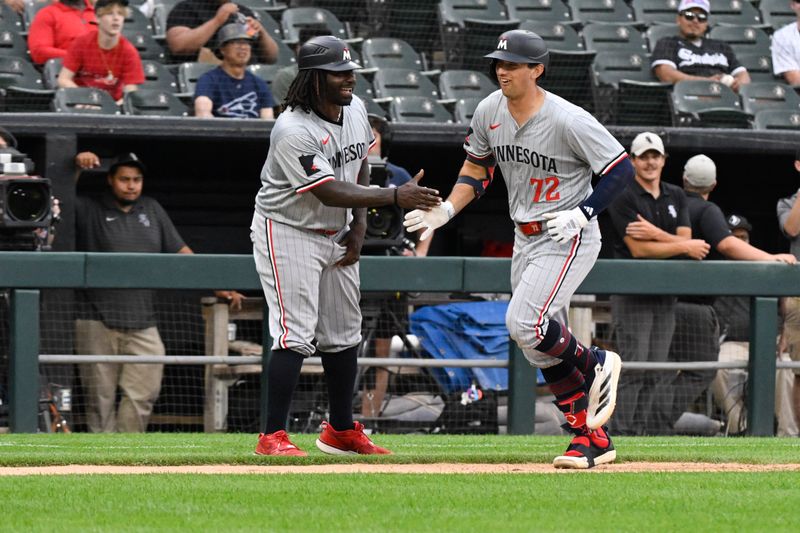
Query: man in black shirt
[
  {"x": 690, "y": 56},
  {"x": 192, "y": 24},
  {"x": 651, "y": 221},
  {"x": 697, "y": 330}
]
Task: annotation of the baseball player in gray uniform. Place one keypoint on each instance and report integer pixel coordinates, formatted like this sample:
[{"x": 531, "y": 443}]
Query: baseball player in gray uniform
[
  {"x": 547, "y": 149},
  {"x": 307, "y": 241}
]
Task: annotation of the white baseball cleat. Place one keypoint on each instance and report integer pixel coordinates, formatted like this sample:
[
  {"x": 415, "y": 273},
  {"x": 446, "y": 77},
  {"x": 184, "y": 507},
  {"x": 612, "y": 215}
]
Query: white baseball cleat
[{"x": 603, "y": 393}]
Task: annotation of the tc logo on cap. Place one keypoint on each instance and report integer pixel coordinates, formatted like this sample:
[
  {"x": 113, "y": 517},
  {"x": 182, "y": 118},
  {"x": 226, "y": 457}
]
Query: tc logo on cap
[{"x": 503, "y": 44}]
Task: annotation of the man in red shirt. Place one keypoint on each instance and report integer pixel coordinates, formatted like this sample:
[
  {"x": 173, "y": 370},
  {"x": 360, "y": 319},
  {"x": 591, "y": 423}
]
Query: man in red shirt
[
  {"x": 55, "y": 26},
  {"x": 104, "y": 58}
]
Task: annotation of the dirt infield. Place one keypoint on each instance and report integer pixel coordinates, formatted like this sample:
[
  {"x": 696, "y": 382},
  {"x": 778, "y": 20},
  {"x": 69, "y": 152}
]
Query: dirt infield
[{"x": 436, "y": 468}]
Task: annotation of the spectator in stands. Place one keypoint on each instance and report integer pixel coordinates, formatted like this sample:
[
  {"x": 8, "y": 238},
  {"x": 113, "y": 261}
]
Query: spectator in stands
[
  {"x": 192, "y": 24},
  {"x": 230, "y": 90},
  {"x": 122, "y": 322},
  {"x": 285, "y": 76},
  {"x": 651, "y": 221},
  {"x": 55, "y": 27},
  {"x": 729, "y": 384},
  {"x": 696, "y": 336},
  {"x": 786, "y": 48},
  {"x": 789, "y": 221},
  {"x": 691, "y": 56},
  {"x": 104, "y": 58}
]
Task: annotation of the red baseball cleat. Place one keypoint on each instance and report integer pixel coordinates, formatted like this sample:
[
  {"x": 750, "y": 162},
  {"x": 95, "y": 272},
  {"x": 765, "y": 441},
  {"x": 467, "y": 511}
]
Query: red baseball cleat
[
  {"x": 347, "y": 442},
  {"x": 277, "y": 443}
]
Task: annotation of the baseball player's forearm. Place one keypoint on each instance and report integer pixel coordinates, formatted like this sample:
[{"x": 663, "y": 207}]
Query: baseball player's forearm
[
  {"x": 462, "y": 194},
  {"x": 342, "y": 194}
]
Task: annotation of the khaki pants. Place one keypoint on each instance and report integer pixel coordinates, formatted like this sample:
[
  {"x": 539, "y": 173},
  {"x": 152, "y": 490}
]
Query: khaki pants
[
  {"x": 140, "y": 384},
  {"x": 729, "y": 389}
]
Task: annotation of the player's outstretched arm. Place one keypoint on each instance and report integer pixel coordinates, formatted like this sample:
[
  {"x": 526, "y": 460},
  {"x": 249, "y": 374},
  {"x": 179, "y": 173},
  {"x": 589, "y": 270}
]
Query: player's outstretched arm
[
  {"x": 464, "y": 191},
  {"x": 342, "y": 194}
]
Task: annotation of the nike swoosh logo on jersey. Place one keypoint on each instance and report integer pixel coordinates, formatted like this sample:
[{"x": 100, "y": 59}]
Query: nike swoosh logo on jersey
[
  {"x": 326, "y": 139},
  {"x": 494, "y": 126},
  {"x": 109, "y": 219}
]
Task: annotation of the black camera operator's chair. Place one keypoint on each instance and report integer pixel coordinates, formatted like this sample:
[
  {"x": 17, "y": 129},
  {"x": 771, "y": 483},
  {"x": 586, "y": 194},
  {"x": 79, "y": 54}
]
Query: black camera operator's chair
[{"x": 84, "y": 100}]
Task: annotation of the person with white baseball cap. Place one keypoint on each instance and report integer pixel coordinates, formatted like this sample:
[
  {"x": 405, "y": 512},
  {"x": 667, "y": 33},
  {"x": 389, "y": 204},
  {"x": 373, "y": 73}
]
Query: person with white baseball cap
[
  {"x": 651, "y": 221},
  {"x": 697, "y": 330},
  {"x": 691, "y": 56}
]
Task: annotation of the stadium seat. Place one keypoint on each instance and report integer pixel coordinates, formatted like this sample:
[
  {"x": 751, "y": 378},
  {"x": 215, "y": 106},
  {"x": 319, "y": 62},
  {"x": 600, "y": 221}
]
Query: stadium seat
[
  {"x": 295, "y": 18},
  {"x": 13, "y": 44},
  {"x": 469, "y": 30},
  {"x": 735, "y": 13},
  {"x": 363, "y": 86},
  {"x": 658, "y": 31},
  {"x": 455, "y": 12},
  {"x": 394, "y": 82},
  {"x": 614, "y": 11},
  {"x": 465, "y": 108},
  {"x": 613, "y": 37},
  {"x": 742, "y": 39},
  {"x": 550, "y": 10},
  {"x": 459, "y": 84},
  {"x": 418, "y": 109},
  {"x": 557, "y": 35},
  {"x": 414, "y": 21},
  {"x": 188, "y": 73},
  {"x": 286, "y": 55},
  {"x": 264, "y": 71},
  {"x": 710, "y": 104},
  {"x": 50, "y": 72},
  {"x": 84, "y": 100},
  {"x": 768, "y": 95},
  {"x": 10, "y": 19},
  {"x": 776, "y": 119},
  {"x": 145, "y": 44},
  {"x": 136, "y": 22},
  {"x": 655, "y": 11},
  {"x": 759, "y": 66},
  {"x": 155, "y": 102},
  {"x": 156, "y": 76},
  {"x": 568, "y": 75},
  {"x": 386, "y": 52},
  {"x": 351, "y": 11},
  {"x": 776, "y": 13},
  {"x": 21, "y": 86},
  {"x": 373, "y": 108},
  {"x": 627, "y": 93},
  {"x": 160, "y": 12}
]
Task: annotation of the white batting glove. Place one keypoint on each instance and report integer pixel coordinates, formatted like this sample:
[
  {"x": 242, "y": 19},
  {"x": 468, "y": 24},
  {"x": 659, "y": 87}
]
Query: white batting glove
[
  {"x": 429, "y": 220},
  {"x": 564, "y": 225}
]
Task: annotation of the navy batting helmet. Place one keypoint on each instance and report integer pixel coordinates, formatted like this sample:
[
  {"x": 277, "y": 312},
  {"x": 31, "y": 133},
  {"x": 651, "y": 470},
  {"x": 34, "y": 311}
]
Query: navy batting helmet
[
  {"x": 325, "y": 53},
  {"x": 520, "y": 46}
]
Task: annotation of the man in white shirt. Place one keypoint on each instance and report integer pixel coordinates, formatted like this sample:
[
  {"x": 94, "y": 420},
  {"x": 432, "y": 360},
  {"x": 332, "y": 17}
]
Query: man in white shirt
[{"x": 786, "y": 49}]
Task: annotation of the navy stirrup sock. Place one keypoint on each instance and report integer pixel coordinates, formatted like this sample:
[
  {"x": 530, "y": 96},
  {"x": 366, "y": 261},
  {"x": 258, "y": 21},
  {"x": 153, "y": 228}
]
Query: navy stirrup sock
[{"x": 560, "y": 343}]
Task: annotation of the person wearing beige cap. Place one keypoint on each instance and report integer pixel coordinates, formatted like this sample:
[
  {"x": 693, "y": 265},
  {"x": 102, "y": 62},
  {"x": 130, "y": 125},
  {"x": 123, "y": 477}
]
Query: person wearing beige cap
[
  {"x": 691, "y": 56},
  {"x": 697, "y": 330},
  {"x": 651, "y": 221}
]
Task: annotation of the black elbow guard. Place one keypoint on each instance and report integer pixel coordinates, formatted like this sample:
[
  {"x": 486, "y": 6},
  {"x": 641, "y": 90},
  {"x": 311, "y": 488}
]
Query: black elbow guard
[{"x": 479, "y": 186}]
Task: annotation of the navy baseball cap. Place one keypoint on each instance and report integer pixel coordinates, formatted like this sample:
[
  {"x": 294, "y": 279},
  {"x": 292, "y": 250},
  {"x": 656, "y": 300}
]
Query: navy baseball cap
[
  {"x": 739, "y": 222},
  {"x": 104, "y": 3},
  {"x": 128, "y": 160}
]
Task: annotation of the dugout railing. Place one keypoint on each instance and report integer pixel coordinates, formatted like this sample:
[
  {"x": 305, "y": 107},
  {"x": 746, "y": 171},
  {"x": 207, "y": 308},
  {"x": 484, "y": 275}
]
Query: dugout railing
[{"x": 25, "y": 273}]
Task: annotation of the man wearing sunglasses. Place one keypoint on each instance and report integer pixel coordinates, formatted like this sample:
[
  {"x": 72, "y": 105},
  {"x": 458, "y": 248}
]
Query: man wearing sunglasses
[
  {"x": 786, "y": 48},
  {"x": 691, "y": 56}
]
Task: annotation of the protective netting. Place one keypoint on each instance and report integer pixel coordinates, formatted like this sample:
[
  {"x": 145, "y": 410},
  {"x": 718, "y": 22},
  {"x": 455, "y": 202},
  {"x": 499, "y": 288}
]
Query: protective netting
[
  {"x": 600, "y": 58},
  {"x": 393, "y": 398}
]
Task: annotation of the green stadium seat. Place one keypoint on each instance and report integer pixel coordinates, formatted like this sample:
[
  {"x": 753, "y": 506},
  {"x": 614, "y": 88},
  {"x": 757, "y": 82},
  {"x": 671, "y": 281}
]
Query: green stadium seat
[
  {"x": 734, "y": 13},
  {"x": 460, "y": 84},
  {"x": 557, "y": 35},
  {"x": 759, "y": 66},
  {"x": 469, "y": 30},
  {"x": 136, "y": 21},
  {"x": 157, "y": 76},
  {"x": 153, "y": 102},
  {"x": 657, "y": 32},
  {"x": 539, "y": 10},
  {"x": 295, "y": 18},
  {"x": 769, "y": 95},
  {"x": 465, "y": 108},
  {"x": 742, "y": 39},
  {"x": 655, "y": 11},
  {"x": 614, "y": 37},
  {"x": 709, "y": 104},
  {"x": 84, "y": 100},
  {"x": 10, "y": 19},
  {"x": 50, "y": 71},
  {"x": 21, "y": 87},
  {"x": 418, "y": 109},
  {"x": 188, "y": 74},
  {"x": 13, "y": 44},
  {"x": 414, "y": 21},
  {"x": 776, "y": 13},
  {"x": 776, "y": 119},
  {"x": 609, "y": 11},
  {"x": 387, "y": 52},
  {"x": 393, "y": 82},
  {"x": 264, "y": 71},
  {"x": 568, "y": 76},
  {"x": 145, "y": 44}
]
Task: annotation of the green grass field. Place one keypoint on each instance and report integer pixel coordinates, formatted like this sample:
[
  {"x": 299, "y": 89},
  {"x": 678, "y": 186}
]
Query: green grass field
[{"x": 572, "y": 502}]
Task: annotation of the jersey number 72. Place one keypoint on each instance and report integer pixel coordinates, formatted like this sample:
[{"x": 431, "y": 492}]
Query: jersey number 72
[{"x": 548, "y": 186}]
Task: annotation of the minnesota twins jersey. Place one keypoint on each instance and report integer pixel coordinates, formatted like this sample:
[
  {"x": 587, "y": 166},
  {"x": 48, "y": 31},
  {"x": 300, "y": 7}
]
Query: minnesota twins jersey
[
  {"x": 547, "y": 163},
  {"x": 307, "y": 150}
]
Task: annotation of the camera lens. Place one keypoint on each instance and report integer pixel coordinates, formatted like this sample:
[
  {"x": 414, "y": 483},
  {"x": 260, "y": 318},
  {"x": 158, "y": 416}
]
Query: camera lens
[{"x": 28, "y": 202}]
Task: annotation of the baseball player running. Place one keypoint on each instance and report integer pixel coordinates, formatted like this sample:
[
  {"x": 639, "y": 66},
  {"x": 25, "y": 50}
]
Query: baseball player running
[
  {"x": 307, "y": 241},
  {"x": 547, "y": 149}
]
